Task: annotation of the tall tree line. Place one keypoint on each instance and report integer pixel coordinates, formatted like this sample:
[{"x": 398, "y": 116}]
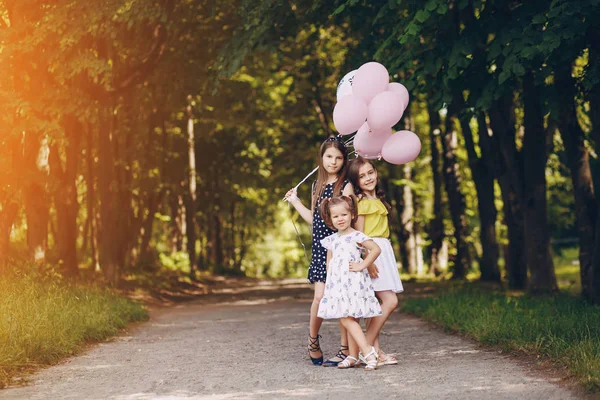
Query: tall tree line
[
  {"x": 119, "y": 140},
  {"x": 133, "y": 128},
  {"x": 509, "y": 77}
]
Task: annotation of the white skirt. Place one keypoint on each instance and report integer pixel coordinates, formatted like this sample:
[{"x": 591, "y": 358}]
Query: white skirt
[{"x": 389, "y": 278}]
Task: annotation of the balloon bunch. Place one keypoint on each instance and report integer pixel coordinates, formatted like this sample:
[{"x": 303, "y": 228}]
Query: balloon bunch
[{"x": 368, "y": 103}]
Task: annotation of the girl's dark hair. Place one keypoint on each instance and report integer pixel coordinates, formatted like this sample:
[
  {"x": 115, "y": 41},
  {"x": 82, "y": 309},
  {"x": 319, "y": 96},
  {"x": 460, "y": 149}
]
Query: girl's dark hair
[
  {"x": 322, "y": 175},
  {"x": 353, "y": 168},
  {"x": 349, "y": 201}
]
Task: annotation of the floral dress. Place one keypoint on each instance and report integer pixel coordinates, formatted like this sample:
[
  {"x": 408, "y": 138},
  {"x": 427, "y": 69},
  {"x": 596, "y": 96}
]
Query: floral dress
[{"x": 347, "y": 294}]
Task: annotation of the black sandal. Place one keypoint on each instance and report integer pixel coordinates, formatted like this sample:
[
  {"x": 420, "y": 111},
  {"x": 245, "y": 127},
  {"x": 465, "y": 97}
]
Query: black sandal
[
  {"x": 338, "y": 358},
  {"x": 313, "y": 347}
]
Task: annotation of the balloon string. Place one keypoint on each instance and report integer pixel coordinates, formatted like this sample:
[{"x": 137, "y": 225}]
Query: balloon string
[{"x": 299, "y": 238}]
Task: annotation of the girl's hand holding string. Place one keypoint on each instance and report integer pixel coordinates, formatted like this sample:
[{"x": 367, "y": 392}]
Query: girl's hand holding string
[{"x": 291, "y": 196}]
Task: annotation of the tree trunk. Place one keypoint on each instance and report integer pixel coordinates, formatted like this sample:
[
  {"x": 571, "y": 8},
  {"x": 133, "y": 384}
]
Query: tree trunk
[
  {"x": 456, "y": 199},
  {"x": 178, "y": 226},
  {"x": 10, "y": 201},
  {"x": 108, "y": 200},
  {"x": 218, "y": 242},
  {"x": 595, "y": 272},
  {"x": 243, "y": 247},
  {"x": 579, "y": 165},
  {"x": 202, "y": 254},
  {"x": 35, "y": 196},
  {"x": 65, "y": 197},
  {"x": 436, "y": 227},
  {"x": 509, "y": 169},
  {"x": 127, "y": 234},
  {"x": 397, "y": 200},
  {"x": 91, "y": 199},
  {"x": 594, "y": 92},
  {"x": 7, "y": 218},
  {"x": 191, "y": 196},
  {"x": 210, "y": 239},
  {"x": 539, "y": 258},
  {"x": 231, "y": 236},
  {"x": 407, "y": 219},
  {"x": 146, "y": 230},
  {"x": 152, "y": 188},
  {"x": 489, "y": 159},
  {"x": 483, "y": 178},
  {"x": 594, "y": 97}
]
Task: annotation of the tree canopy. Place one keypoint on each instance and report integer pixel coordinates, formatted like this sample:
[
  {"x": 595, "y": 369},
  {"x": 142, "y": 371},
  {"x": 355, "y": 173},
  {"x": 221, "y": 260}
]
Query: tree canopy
[{"x": 142, "y": 136}]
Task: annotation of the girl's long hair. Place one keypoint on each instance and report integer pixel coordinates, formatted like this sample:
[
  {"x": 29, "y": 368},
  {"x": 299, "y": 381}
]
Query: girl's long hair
[
  {"x": 349, "y": 201},
  {"x": 353, "y": 168},
  {"x": 322, "y": 175}
]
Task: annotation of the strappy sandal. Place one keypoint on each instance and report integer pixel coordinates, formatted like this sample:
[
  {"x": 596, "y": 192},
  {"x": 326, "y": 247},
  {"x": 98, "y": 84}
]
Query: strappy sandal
[
  {"x": 340, "y": 356},
  {"x": 348, "y": 362},
  {"x": 371, "y": 365},
  {"x": 387, "y": 359},
  {"x": 314, "y": 347}
]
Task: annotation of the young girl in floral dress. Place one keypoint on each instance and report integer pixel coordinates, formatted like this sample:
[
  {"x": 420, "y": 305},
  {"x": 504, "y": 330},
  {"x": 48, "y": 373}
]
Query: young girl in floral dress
[{"x": 349, "y": 293}]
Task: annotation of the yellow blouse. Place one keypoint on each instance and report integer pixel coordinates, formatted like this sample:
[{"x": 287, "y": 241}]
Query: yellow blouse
[{"x": 376, "y": 221}]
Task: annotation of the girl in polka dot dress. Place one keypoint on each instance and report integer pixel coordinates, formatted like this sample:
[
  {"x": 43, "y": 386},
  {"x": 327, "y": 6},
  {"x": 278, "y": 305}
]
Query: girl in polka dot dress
[{"x": 331, "y": 180}]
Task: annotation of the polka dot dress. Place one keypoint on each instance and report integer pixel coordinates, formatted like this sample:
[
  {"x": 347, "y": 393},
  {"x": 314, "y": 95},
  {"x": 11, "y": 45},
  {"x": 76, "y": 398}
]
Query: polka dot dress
[{"x": 317, "y": 271}]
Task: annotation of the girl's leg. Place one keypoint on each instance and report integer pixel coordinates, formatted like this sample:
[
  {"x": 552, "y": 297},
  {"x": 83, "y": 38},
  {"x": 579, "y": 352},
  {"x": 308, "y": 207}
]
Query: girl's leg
[
  {"x": 342, "y": 352},
  {"x": 344, "y": 337},
  {"x": 315, "y": 322},
  {"x": 353, "y": 346},
  {"x": 352, "y": 357},
  {"x": 357, "y": 335},
  {"x": 389, "y": 301},
  {"x": 376, "y": 341}
]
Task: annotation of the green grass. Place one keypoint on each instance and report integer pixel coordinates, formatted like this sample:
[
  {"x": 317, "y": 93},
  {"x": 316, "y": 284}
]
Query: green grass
[
  {"x": 563, "y": 328},
  {"x": 44, "y": 322}
]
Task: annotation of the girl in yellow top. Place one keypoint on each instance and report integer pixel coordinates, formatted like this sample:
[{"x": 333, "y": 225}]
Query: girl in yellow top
[{"x": 373, "y": 221}]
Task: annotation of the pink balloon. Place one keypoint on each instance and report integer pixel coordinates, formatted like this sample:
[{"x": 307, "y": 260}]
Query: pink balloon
[
  {"x": 402, "y": 147},
  {"x": 349, "y": 114},
  {"x": 368, "y": 143},
  {"x": 385, "y": 110},
  {"x": 371, "y": 78},
  {"x": 399, "y": 88}
]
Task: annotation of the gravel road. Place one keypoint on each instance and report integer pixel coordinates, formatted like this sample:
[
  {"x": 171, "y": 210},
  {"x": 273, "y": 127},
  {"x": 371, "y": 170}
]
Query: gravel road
[{"x": 248, "y": 342}]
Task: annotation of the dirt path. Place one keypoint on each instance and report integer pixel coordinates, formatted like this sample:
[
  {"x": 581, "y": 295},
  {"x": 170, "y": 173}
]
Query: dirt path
[{"x": 248, "y": 343}]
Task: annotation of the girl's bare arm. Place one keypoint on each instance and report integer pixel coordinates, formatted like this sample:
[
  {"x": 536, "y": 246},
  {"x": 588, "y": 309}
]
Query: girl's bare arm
[
  {"x": 304, "y": 212},
  {"x": 348, "y": 190},
  {"x": 374, "y": 251},
  {"x": 360, "y": 223}
]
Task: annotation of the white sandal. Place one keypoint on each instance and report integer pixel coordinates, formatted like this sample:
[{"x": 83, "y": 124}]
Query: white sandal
[
  {"x": 346, "y": 363},
  {"x": 370, "y": 365},
  {"x": 387, "y": 359}
]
